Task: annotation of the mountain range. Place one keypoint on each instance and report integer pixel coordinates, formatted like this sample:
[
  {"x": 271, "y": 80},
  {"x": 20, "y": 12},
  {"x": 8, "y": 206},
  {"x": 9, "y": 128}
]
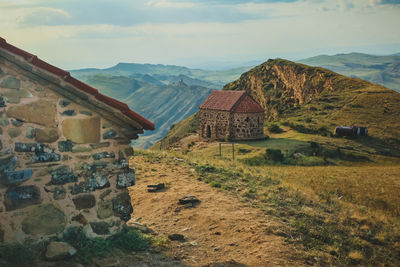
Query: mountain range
[
  {"x": 167, "y": 94},
  {"x": 383, "y": 70}
]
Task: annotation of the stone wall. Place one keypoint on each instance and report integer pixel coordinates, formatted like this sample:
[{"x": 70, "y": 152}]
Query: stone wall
[
  {"x": 216, "y": 123},
  {"x": 61, "y": 163},
  {"x": 230, "y": 126},
  {"x": 246, "y": 126}
]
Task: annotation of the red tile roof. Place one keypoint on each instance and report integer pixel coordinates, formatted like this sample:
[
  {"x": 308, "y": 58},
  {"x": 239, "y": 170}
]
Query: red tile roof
[
  {"x": 234, "y": 101},
  {"x": 222, "y": 100},
  {"x": 248, "y": 105},
  {"x": 65, "y": 75}
]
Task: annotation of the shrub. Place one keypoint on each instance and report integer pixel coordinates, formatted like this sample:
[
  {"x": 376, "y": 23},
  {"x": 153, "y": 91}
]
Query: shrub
[
  {"x": 274, "y": 155},
  {"x": 274, "y": 128}
]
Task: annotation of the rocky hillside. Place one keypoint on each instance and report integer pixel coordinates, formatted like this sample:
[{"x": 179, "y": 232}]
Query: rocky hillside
[
  {"x": 279, "y": 85},
  {"x": 383, "y": 70},
  {"x": 316, "y": 100}
]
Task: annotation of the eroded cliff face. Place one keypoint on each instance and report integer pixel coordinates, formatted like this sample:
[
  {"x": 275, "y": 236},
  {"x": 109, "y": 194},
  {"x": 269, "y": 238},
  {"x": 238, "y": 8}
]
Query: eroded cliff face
[{"x": 279, "y": 85}]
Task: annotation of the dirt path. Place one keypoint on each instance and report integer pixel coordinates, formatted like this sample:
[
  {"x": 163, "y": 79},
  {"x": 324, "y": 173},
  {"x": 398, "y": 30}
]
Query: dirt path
[{"x": 219, "y": 229}]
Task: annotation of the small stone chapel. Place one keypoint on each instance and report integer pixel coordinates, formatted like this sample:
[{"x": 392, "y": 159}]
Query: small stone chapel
[{"x": 231, "y": 115}]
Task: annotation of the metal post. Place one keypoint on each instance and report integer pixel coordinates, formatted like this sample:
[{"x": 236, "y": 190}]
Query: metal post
[{"x": 233, "y": 151}]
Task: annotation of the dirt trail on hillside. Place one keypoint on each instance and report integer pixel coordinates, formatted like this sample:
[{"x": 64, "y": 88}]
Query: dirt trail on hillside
[{"x": 219, "y": 229}]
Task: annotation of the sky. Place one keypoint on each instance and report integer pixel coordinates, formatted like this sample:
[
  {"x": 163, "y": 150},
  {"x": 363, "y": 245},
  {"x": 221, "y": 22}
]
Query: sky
[{"x": 74, "y": 34}]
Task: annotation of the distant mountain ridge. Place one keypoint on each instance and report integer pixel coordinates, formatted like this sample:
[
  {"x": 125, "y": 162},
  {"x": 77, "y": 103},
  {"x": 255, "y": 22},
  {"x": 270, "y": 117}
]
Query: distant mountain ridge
[{"x": 383, "y": 70}]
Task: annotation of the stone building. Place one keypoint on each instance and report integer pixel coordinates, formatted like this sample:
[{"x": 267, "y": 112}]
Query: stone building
[
  {"x": 231, "y": 115},
  {"x": 64, "y": 151}
]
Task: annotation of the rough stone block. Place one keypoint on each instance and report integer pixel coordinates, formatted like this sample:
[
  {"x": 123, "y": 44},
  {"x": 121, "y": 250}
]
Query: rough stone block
[
  {"x": 105, "y": 154},
  {"x": 45, "y": 219},
  {"x": 85, "y": 112},
  {"x": 14, "y": 132},
  {"x": 82, "y": 131},
  {"x": 122, "y": 207},
  {"x": 30, "y": 147},
  {"x": 47, "y": 135},
  {"x": 59, "y": 251},
  {"x": 126, "y": 179},
  {"x": 84, "y": 201},
  {"x": 2, "y": 102},
  {"x": 46, "y": 157},
  {"x": 17, "y": 123},
  {"x": 110, "y": 134},
  {"x": 65, "y": 146},
  {"x": 105, "y": 209},
  {"x": 42, "y": 112},
  {"x": 62, "y": 175},
  {"x": 64, "y": 103},
  {"x": 80, "y": 219},
  {"x": 30, "y": 132},
  {"x": 4, "y": 120},
  {"x": 59, "y": 193},
  {"x": 100, "y": 228},
  {"x": 100, "y": 145},
  {"x": 21, "y": 196},
  {"x": 8, "y": 163},
  {"x": 13, "y": 178},
  {"x": 11, "y": 82},
  {"x": 69, "y": 112}
]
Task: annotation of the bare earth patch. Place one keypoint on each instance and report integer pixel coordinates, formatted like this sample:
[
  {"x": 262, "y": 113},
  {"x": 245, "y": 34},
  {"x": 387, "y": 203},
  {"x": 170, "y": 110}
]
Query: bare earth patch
[{"x": 219, "y": 229}]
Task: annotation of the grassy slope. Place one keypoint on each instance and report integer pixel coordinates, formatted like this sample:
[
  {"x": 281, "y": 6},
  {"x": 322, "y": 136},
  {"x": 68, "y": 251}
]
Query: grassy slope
[{"x": 383, "y": 70}]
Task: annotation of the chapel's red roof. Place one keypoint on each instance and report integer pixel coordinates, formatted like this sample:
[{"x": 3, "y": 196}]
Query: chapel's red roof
[
  {"x": 65, "y": 75},
  {"x": 248, "y": 105},
  {"x": 233, "y": 101}
]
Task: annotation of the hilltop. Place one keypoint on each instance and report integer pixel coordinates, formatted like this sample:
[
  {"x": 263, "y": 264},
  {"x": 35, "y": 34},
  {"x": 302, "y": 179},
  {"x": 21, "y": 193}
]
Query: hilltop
[
  {"x": 315, "y": 100},
  {"x": 383, "y": 70}
]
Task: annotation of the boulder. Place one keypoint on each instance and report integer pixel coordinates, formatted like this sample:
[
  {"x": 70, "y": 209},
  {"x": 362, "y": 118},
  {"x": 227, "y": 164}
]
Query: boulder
[
  {"x": 44, "y": 219},
  {"x": 42, "y": 112},
  {"x": 155, "y": 187},
  {"x": 126, "y": 179},
  {"x": 188, "y": 199},
  {"x": 82, "y": 131},
  {"x": 176, "y": 237},
  {"x": 47, "y": 135},
  {"x": 59, "y": 251},
  {"x": 21, "y": 196},
  {"x": 84, "y": 201}
]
